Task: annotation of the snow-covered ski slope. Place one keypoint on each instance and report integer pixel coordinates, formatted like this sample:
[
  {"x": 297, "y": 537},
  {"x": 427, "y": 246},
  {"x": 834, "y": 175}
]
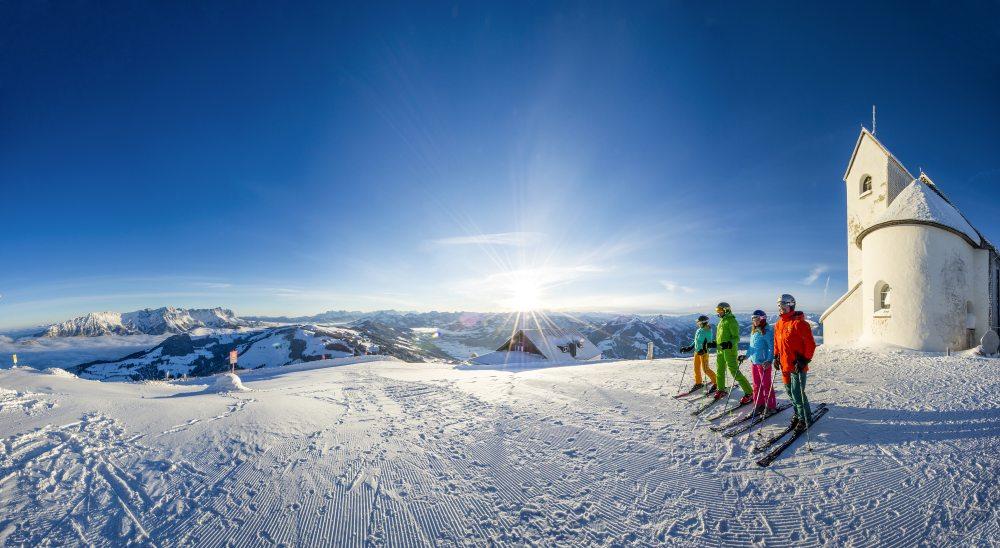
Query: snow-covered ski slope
[{"x": 389, "y": 453}]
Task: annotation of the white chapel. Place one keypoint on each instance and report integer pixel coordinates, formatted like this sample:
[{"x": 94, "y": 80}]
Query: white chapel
[{"x": 920, "y": 276}]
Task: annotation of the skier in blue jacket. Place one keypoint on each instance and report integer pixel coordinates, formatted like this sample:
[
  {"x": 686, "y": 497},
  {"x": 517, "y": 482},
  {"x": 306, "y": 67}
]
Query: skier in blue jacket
[{"x": 761, "y": 354}]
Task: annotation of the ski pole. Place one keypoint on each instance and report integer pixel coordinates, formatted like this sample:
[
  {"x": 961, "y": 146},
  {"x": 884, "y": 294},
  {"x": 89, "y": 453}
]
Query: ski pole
[
  {"x": 775, "y": 361},
  {"x": 802, "y": 396},
  {"x": 681, "y": 383},
  {"x": 729, "y": 393},
  {"x": 753, "y": 414}
]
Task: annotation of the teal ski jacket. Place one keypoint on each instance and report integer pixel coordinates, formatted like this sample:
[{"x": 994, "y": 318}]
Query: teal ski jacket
[{"x": 702, "y": 337}]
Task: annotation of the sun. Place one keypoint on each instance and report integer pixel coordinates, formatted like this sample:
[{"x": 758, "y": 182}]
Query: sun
[{"x": 523, "y": 292}]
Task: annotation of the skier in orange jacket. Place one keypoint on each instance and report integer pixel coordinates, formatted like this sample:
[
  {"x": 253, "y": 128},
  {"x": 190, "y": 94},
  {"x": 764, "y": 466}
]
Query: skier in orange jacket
[{"x": 793, "y": 349}]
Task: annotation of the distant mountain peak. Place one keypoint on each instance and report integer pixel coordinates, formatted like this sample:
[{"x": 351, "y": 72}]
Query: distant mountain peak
[{"x": 148, "y": 321}]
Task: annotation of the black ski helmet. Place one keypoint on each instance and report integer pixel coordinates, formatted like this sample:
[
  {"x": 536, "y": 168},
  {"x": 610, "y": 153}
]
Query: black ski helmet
[{"x": 703, "y": 319}]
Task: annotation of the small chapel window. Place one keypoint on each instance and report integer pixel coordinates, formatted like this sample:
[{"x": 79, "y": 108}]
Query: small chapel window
[
  {"x": 884, "y": 298},
  {"x": 866, "y": 184}
]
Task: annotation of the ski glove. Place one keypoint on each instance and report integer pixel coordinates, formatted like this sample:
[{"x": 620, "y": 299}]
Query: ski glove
[
  {"x": 740, "y": 358},
  {"x": 703, "y": 351},
  {"x": 712, "y": 344},
  {"x": 726, "y": 345},
  {"x": 800, "y": 364},
  {"x": 687, "y": 348}
]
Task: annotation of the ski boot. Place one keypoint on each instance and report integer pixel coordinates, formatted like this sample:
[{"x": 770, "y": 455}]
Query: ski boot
[
  {"x": 795, "y": 422},
  {"x": 697, "y": 386},
  {"x": 759, "y": 410},
  {"x": 719, "y": 394},
  {"x": 745, "y": 399}
]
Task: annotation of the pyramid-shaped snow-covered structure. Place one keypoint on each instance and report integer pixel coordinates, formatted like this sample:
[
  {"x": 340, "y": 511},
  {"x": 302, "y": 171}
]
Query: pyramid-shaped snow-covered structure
[
  {"x": 539, "y": 345},
  {"x": 921, "y": 202}
]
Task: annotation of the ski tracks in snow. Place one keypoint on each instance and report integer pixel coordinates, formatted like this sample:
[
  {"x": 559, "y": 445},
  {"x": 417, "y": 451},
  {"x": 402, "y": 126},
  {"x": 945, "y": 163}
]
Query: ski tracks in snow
[
  {"x": 63, "y": 484},
  {"x": 594, "y": 455},
  {"x": 13, "y": 401},
  {"x": 90, "y": 482}
]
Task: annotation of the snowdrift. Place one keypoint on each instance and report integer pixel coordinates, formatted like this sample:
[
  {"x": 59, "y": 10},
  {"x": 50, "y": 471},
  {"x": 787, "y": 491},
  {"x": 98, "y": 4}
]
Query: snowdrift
[{"x": 227, "y": 382}]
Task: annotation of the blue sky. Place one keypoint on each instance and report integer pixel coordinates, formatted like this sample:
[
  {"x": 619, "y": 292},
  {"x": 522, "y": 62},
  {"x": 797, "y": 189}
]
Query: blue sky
[{"x": 632, "y": 157}]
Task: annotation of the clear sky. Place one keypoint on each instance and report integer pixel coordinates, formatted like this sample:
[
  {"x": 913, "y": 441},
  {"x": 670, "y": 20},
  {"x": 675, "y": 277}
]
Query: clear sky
[{"x": 467, "y": 156}]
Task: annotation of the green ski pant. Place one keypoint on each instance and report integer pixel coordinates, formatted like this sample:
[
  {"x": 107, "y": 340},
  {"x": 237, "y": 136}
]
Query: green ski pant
[
  {"x": 796, "y": 390},
  {"x": 726, "y": 359}
]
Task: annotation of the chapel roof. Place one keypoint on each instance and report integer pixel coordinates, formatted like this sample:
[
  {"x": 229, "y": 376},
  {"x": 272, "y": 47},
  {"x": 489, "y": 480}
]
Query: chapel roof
[{"x": 921, "y": 202}]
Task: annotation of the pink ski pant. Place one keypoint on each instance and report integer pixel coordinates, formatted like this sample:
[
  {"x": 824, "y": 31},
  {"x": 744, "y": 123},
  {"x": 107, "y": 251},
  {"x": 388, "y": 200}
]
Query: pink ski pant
[{"x": 763, "y": 392}]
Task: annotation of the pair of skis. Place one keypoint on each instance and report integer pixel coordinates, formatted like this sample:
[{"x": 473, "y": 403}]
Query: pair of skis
[
  {"x": 748, "y": 421},
  {"x": 729, "y": 411},
  {"x": 719, "y": 415},
  {"x": 774, "y": 453},
  {"x": 702, "y": 408},
  {"x": 745, "y": 422},
  {"x": 694, "y": 391}
]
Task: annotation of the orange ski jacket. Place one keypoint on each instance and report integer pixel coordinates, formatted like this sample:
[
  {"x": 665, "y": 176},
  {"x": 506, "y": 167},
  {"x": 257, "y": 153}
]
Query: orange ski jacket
[{"x": 793, "y": 338}]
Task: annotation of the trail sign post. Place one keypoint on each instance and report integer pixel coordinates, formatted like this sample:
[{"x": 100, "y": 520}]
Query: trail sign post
[
  {"x": 14, "y": 357},
  {"x": 649, "y": 350},
  {"x": 232, "y": 360}
]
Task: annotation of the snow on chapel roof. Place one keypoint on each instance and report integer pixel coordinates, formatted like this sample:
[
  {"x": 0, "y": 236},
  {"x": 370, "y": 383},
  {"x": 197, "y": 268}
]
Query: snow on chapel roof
[{"x": 922, "y": 203}]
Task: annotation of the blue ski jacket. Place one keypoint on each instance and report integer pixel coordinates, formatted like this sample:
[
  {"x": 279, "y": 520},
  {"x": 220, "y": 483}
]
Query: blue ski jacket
[{"x": 761, "y": 348}]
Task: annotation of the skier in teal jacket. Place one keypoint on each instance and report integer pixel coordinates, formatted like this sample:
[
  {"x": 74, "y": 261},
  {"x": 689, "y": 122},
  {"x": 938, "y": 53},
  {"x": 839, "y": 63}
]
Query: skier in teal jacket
[
  {"x": 702, "y": 342},
  {"x": 727, "y": 339}
]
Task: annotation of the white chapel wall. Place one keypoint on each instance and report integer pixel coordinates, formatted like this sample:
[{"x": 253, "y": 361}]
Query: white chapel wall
[
  {"x": 842, "y": 323},
  {"x": 980, "y": 297},
  {"x": 932, "y": 273},
  {"x": 862, "y": 209}
]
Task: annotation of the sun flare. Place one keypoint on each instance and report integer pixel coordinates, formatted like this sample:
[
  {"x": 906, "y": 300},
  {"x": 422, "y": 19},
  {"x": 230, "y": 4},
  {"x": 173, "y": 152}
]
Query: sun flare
[{"x": 523, "y": 292}]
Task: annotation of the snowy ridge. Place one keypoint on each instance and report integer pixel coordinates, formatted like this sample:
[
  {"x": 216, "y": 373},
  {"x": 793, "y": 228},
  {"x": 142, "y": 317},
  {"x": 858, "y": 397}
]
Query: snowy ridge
[
  {"x": 157, "y": 321},
  {"x": 201, "y": 355}
]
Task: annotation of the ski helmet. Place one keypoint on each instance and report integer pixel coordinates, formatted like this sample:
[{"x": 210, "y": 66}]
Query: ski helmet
[
  {"x": 702, "y": 318},
  {"x": 722, "y": 308},
  {"x": 759, "y": 313},
  {"x": 786, "y": 300}
]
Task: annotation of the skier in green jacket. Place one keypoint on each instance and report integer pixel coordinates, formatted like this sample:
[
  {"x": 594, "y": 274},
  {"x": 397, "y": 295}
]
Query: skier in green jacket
[{"x": 727, "y": 340}]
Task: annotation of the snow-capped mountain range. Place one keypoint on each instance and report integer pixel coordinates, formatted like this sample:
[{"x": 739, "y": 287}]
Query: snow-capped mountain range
[
  {"x": 202, "y": 338},
  {"x": 149, "y": 321},
  {"x": 184, "y": 354}
]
